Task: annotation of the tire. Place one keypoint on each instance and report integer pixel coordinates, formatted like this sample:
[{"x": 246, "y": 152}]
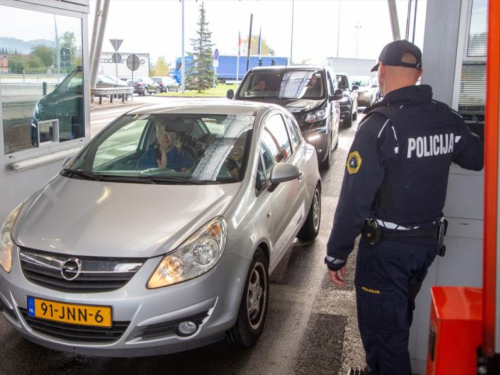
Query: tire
[
  {"x": 310, "y": 229},
  {"x": 355, "y": 115},
  {"x": 326, "y": 164},
  {"x": 253, "y": 306},
  {"x": 347, "y": 122}
]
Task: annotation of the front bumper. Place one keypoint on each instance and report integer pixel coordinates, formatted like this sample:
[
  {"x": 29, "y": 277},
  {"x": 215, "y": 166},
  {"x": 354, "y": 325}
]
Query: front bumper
[
  {"x": 148, "y": 317},
  {"x": 318, "y": 137}
]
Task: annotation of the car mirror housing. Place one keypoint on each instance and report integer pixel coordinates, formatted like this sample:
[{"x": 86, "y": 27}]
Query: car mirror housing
[
  {"x": 282, "y": 173},
  {"x": 355, "y": 87},
  {"x": 230, "y": 94},
  {"x": 338, "y": 94}
]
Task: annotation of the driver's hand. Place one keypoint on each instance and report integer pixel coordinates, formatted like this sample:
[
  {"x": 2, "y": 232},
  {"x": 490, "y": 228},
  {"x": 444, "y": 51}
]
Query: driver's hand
[{"x": 162, "y": 163}]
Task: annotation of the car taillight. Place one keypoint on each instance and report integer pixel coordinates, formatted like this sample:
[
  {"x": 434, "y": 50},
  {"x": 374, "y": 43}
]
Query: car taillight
[
  {"x": 160, "y": 83},
  {"x": 139, "y": 83}
]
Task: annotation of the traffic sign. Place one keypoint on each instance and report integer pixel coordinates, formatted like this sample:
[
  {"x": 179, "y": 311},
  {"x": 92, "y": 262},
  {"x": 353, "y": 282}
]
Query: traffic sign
[
  {"x": 216, "y": 54},
  {"x": 116, "y": 43},
  {"x": 117, "y": 58},
  {"x": 133, "y": 62}
]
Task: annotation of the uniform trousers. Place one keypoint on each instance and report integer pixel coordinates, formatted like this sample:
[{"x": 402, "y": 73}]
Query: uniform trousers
[{"x": 388, "y": 278}]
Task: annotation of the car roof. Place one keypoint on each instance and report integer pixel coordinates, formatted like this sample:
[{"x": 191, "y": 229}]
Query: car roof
[{"x": 205, "y": 106}]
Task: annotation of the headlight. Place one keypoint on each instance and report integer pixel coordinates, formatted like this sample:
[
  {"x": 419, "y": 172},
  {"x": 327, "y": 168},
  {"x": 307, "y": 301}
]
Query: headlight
[
  {"x": 316, "y": 116},
  {"x": 6, "y": 239},
  {"x": 196, "y": 256}
]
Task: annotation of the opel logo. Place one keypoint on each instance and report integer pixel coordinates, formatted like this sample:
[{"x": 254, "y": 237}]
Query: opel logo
[{"x": 71, "y": 269}]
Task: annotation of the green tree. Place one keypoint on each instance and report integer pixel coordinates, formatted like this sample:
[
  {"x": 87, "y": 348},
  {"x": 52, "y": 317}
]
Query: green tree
[
  {"x": 200, "y": 74},
  {"x": 67, "y": 41},
  {"x": 160, "y": 68},
  {"x": 16, "y": 64},
  {"x": 265, "y": 50},
  {"x": 45, "y": 54}
]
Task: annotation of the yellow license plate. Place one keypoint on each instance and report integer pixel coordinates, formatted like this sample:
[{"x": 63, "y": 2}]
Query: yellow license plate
[{"x": 87, "y": 315}]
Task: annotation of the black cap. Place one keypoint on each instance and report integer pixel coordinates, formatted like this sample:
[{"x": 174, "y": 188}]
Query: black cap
[{"x": 393, "y": 52}]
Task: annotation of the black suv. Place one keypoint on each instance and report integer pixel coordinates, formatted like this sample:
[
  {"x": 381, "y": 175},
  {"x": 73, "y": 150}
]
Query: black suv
[
  {"x": 310, "y": 93},
  {"x": 349, "y": 103}
]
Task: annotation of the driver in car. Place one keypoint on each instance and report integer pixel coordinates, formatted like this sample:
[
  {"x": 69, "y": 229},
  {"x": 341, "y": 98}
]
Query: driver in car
[{"x": 167, "y": 153}]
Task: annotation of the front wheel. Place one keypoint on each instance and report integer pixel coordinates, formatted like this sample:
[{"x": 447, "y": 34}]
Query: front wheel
[
  {"x": 310, "y": 229},
  {"x": 253, "y": 306}
]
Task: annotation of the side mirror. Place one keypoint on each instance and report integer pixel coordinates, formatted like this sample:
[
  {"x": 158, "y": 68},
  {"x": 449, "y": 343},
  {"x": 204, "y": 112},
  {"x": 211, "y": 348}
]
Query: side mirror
[
  {"x": 338, "y": 94},
  {"x": 355, "y": 87},
  {"x": 283, "y": 172},
  {"x": 230, "y": 94}
]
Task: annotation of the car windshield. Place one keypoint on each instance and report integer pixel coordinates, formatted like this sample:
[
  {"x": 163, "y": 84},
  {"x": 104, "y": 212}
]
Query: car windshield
[
  {"x": 361, "y": 81},
  {"x": 169, "y": 149},
  {"x": 289, "y": 84}
]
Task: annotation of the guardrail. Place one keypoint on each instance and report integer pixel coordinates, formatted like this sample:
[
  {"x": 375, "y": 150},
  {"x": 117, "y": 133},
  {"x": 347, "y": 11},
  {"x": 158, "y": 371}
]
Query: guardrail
[{"x": 112, "y": 92}]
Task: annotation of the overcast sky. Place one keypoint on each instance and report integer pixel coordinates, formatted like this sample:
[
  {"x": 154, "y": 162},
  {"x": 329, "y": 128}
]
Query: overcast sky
[{"x": 154, "y": 26}]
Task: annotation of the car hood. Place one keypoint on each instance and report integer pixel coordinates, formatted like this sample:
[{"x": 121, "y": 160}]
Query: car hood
[
  {"x": 90, "y": 218},
  {"x": 363, "y": 89}
]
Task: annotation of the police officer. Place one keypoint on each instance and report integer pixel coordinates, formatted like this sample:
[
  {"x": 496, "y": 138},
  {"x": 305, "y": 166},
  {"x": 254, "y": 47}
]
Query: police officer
[{"x": 393, "y": 192}]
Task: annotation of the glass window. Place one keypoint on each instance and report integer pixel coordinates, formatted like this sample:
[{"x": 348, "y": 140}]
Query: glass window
[
  {"x": 170, "y": 149},
  {"x": 41, "y": 78},
  {"x": 293, "y": 132},
  {"x": 261, "y": 177},
  {"x": 478, "y": 32},
  {"x": 269, "y": 152},
  {"x": 279, "y": 135},
  {"x": 291, "y": 84}
]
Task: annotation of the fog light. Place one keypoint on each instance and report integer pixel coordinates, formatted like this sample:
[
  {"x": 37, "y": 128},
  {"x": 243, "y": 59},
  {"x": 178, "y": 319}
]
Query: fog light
[{"x": 187, "y": 328}]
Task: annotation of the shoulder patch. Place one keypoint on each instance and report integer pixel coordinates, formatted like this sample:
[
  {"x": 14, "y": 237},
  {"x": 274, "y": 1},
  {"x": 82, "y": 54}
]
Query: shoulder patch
[{"x": 354, "y": 162}]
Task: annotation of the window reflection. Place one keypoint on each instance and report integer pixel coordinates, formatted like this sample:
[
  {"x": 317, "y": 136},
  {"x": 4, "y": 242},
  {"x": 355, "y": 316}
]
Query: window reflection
[{"x": 41, "y": 78}]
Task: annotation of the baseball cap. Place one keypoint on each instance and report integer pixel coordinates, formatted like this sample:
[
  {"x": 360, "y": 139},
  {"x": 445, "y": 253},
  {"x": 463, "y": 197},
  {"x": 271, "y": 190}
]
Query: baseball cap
[{"x": 393, "y": 52}]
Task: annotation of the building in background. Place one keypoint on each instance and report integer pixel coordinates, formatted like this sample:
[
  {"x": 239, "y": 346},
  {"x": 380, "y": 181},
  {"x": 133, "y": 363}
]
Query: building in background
[
  {"x": 358, "y": 67},
  {"x": 109, "y": 68}
]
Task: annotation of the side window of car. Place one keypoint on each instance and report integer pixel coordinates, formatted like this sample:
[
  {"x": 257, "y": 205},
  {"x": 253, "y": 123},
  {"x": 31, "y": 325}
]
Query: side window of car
[
  {"x": 269, "y": 152},
  {"x": 275, "y": 127},
  {"x": 260, "y": 178},
  {"x": 292, "y": 132}
]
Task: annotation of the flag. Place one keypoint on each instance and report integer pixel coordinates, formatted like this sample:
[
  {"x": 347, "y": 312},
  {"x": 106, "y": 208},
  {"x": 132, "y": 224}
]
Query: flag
[
  {"x": 239, "y": 43},
  {"x": 260, "y": 33}
]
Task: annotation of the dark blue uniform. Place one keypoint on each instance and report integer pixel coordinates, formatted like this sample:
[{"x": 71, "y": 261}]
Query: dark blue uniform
[{"x": 397, "y": 172}]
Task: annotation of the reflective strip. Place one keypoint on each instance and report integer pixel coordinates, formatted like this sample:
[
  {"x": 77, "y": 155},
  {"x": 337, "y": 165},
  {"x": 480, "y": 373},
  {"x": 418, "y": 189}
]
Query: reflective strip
[
  {"x": 394, "y": 226},
  {"x": 383, "y": 127}
]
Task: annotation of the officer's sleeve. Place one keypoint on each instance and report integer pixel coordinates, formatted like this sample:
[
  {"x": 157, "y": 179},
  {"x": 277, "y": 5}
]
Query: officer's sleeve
[
  {"x": 469, "y": 149},
  {"x": 373, "y": 147}
]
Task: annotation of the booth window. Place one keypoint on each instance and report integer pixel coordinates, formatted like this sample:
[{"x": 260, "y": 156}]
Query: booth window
[{"x": 41, "y": 79}]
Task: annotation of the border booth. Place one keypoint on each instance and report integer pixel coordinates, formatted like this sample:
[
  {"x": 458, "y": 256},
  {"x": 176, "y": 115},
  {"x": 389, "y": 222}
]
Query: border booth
[{"x": 44, "y": 86}]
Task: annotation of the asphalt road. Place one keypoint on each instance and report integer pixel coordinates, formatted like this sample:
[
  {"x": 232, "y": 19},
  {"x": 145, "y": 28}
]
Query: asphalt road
[{"x": 311, "y": 326}]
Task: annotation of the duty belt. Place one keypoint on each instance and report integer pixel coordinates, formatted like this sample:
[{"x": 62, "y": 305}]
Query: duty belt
[{"x": 375, "y": 230}]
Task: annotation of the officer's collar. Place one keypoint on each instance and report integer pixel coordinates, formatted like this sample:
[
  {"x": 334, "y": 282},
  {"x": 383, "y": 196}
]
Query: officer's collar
[{"x": 406, "y": 95}]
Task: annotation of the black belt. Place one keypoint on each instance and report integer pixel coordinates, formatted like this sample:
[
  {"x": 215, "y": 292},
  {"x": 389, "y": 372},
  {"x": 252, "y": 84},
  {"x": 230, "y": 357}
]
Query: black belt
[{"x": 426, "y": 233}]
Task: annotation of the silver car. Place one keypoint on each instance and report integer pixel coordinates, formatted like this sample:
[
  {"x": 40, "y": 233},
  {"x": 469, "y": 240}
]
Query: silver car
[{"x": 159, "y": 236}]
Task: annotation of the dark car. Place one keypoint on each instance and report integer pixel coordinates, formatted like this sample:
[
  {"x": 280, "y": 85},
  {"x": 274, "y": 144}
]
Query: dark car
[
  {"x": 166, "y": 84},
  {"x": 145, "y": 85},
  {"x": 310, "y": 93},
  {"x": 367, "y": 92},
  {"x": 349, "y": 103}
]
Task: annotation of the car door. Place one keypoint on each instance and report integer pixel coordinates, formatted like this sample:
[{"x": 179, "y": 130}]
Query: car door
[
  {"x": 287, "y": 209},
  {"x": 334, "y": 107}
]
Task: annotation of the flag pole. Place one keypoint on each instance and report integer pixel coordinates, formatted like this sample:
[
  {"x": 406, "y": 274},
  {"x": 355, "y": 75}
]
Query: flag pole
[
  {"x": 238, "y": 60},
  {"x": 249, "y": 42}
]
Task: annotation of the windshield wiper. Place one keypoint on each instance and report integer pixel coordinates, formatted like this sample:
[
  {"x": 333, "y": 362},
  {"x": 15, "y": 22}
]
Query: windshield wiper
[
  {"x": 82, "y": 173},
  {"x": 179, "y": 180}
]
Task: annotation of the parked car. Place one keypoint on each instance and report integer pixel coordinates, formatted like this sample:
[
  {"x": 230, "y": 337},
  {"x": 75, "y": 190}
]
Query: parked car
[
  {"x": 349, "y": 103},
  {"x": 107, "y": 82},
  {"x": 115, "y": 257},
  {"x": 166, "y": 84},
  {"x": 144, "y": 86},
  {"x": 315, "y": 106},
  {"x": 367, "y": 92}
]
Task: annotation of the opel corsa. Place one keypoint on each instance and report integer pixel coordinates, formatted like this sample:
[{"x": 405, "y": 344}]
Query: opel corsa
[{"x": 159, "y": 236}]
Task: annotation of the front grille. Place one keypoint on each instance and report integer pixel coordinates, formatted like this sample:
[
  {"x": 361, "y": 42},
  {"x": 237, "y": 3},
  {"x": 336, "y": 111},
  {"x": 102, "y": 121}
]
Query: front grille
[
  {"x": 76, "y": 333},
  {"x": 76, "y": 274},
  {"x": 167, "y": 328}
]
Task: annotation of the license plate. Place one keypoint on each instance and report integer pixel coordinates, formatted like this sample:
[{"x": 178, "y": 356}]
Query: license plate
[{"x": 87, "y": 315}]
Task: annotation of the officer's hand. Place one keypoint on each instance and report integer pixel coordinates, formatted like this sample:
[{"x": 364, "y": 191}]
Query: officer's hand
[{"x": 337, "y": 277}]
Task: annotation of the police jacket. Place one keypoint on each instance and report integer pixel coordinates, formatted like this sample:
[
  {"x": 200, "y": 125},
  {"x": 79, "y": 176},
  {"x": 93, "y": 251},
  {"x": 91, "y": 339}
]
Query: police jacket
[{"x": 397, "y": 168}]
